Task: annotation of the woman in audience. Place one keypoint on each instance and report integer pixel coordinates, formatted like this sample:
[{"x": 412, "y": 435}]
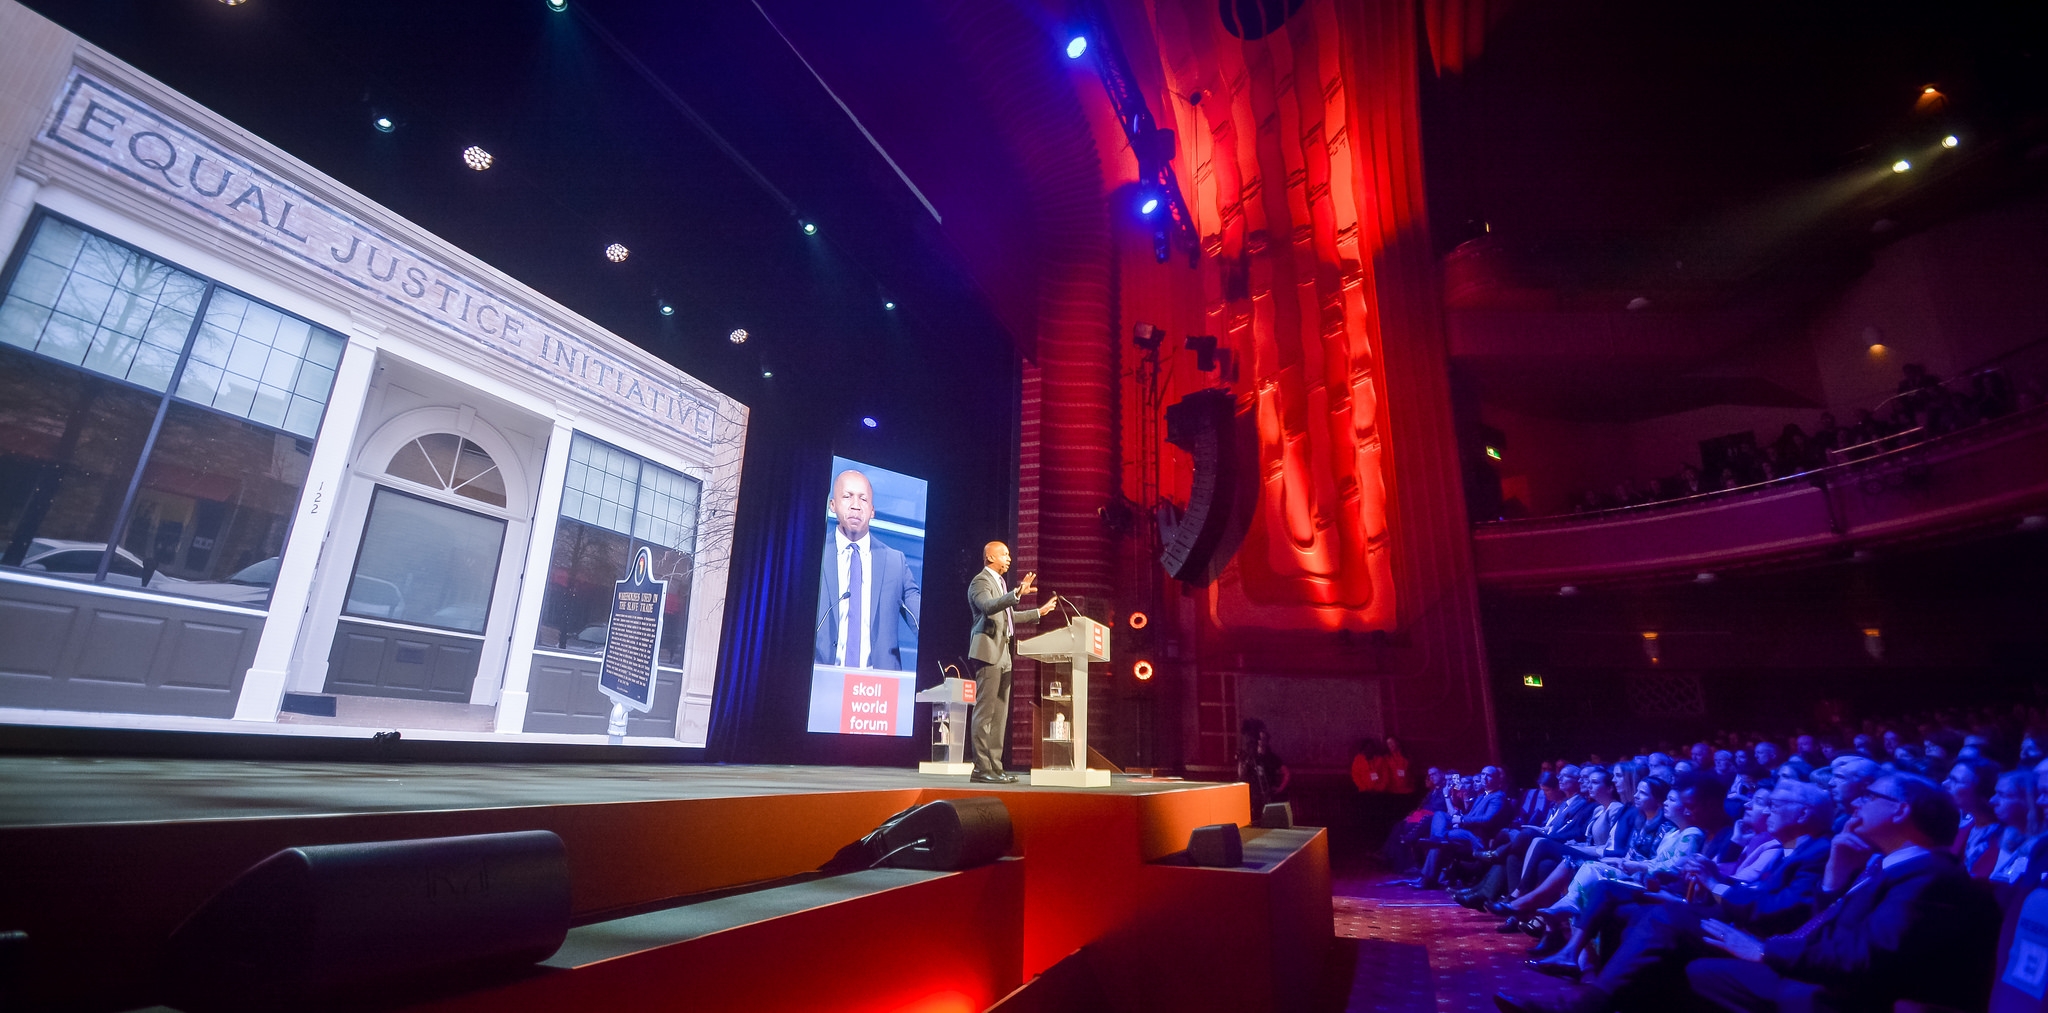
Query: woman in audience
[
  {"x": 1760, "y": 850},
  {"x": 2021, "y": 843},
  {"x": 1970, "y": 783}
]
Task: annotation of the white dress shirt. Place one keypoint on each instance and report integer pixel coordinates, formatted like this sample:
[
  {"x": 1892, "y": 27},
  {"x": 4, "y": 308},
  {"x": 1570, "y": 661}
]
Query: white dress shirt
[{"x": 846, "y": 547}]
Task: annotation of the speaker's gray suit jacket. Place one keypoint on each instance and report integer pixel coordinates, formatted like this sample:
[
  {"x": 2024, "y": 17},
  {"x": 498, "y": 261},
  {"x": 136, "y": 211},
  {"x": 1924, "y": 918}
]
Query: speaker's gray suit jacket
[{"x": 995, "y": 618}]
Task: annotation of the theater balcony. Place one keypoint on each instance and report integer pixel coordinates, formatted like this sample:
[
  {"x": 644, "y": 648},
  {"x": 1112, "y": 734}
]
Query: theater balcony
[{"x": 1991, "y": 476}]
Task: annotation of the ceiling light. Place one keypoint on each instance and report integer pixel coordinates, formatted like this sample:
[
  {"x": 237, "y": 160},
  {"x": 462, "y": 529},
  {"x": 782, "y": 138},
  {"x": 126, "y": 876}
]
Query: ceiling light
[
  {"x": 667, "y": 310},
  {"x": 738, "y": 336},
  {"x": 1930, "y": 90},
  {"x": 1901, "y": 165},
  {"x": 476, "y": 158},
  {"x": 810, "y": 228},
  {"x": 1877, "y": 349},
  {"x": 234, "y": 3},
  {"x": 767, "y": 374},
  {"x": 615, "y": 253},
  {"x": 1950, "y": 141},
  {"x": 1077, "y": 46},
  {"x": 889, "y": 305},
  {"x": 869, "y": 421},
  {"x": 384, "y": 124},
  {"x": 558, "y": 6}
]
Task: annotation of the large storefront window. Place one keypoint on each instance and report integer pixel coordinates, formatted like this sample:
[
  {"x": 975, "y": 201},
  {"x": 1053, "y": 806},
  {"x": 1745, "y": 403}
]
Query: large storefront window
[
  {"x": 425, "y": 563},
  {"x": 139, "y": 397},
  {"x": 612, "y": 504}
]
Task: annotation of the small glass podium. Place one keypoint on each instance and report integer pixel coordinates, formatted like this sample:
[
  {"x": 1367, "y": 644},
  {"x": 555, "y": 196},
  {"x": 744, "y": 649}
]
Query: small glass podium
[
  {"x": 951, "y": 701},
  {"x": 1062, "y": 718}
]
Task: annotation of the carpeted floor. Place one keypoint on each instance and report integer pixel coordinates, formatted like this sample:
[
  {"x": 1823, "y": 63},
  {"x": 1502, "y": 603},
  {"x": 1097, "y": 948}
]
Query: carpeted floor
[{"x": 1402, "y": 950}]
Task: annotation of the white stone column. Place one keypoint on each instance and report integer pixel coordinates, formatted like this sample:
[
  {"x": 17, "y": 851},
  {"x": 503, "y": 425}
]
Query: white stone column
[
  {"x": 533, "y": 588},
  {"x": 15, "y": 207},
  {"x": 263, "y": 687}
]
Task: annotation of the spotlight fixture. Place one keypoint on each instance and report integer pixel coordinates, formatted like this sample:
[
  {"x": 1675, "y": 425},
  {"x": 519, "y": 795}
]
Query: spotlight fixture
[
  {"x": 1877, "y": 350},
  {"x": 667, "y": 310},
  {"x": 1139, "y": 620},
  {"x": 889, "y": 305},
  {"x": 616, "y": 253},
  {"x": 558, "y": 6},
  {"x": 869, "y": 421},
  {"x": 384, "y": 124},
  {"x": 476, "y": 158},
  {"x": 810, "y": 228},
  {"x": 1950, "y": 141},
  {"x": 738, "y": 336},
  {"x": 1143, "y": 670},
  {"x": 1901, "y": 165},
  {"x": 234, "y": 3},
  {"x": 1077, "y": 46},
  {"x": 1146, "y": 336},
  {"x": 767, "y": 374},
  {"x": 1148, "y": 204}
]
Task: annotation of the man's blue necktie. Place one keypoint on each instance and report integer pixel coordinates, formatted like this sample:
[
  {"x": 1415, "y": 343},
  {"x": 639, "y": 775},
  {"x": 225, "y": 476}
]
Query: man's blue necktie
[{"x": 854, "y": 611}]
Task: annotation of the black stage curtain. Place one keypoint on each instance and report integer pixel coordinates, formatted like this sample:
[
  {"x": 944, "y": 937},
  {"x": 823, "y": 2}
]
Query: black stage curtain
[{"x": 756, "y": 706}]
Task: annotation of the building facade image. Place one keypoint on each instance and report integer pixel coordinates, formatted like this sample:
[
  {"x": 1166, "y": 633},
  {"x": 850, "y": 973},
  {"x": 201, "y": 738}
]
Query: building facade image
[{"x": 273, "y": 457}]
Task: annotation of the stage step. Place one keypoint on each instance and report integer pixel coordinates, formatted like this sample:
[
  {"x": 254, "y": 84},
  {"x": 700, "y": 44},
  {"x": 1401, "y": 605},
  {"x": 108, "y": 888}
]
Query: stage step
[{"x": 881, "y": 939}]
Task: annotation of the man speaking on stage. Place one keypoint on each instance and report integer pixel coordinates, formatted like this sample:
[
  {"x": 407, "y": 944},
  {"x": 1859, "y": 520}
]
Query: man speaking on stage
[
  {"x": 864, "y": 587},
  {"x": 988, "y": 654}
]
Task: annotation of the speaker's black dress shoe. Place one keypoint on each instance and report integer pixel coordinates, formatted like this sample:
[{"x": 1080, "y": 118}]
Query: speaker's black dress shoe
[{"x": 999, "y": 777}]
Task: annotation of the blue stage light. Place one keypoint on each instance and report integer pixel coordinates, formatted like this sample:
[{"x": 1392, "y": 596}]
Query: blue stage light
[
  {"x": 889, "y": 305},
  {"x": 1076, "y": 46},
  {"x": 1148, "y": 205},
  {"x": 384, "y": 124},
  {"x": 869, "y": 421},
  {"x": 558, "y": 6},
  {"x": 810, "y": 228},
  {"x": 667, "y": 310}
]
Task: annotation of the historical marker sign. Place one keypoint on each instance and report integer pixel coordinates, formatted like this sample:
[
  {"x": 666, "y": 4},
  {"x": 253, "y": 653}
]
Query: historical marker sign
[{"x": 631, "y": 639}]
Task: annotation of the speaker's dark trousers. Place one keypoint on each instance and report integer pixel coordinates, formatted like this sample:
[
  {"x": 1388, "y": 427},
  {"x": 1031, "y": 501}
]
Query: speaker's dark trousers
[{"x": 991, "y": 718}]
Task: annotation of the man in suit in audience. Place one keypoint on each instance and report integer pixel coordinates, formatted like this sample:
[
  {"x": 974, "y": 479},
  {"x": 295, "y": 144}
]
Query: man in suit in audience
[
  {"x": 1913, "y": 926},
  {"x": 1475, "y": 827},
  {"x": 1646, "y": 968}
]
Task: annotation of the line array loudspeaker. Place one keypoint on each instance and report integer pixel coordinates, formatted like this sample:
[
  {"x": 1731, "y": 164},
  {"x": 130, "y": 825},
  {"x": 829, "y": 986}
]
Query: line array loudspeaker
[{"x": 1205, "y": 425}]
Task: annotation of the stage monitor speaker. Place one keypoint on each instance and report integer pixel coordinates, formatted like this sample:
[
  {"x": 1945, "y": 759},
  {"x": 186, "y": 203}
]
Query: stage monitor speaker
[
  {"x": 1218, "y": 847},
  {"x": 1205, "y": 425},
  {"x": 325, "y": 923},
  {"x": 949, "y": 834},
  {"x": 1277, "y": 816},
  {"x": 945, "y": 836}
]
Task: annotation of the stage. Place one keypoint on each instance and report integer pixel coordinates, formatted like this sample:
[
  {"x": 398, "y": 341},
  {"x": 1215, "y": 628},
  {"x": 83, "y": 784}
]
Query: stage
[{"x": 108, "y": 855}]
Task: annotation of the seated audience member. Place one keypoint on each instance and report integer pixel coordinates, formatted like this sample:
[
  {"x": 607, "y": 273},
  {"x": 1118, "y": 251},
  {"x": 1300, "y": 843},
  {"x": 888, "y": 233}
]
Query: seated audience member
[
  {"x": 1807, "y": 749},
  {"x": 1659, "y": 940},
  {"x": 2030, "y": 748},
  {"x": 1852, "y": 777},
  {"x": 1912, "y": 927},
  {"x": 1701, "y": 754},
  {"x": 1535, "y": 803},
  {"x": 1759, "y": 849},
  {"x": 1598, "y": 891},
  {"x": 1471, "y": 828},
  {"x": 1399, "y": 851},
  {"x": 1970, "y": 783},
  {"x": 1862, "y": 746},
  {"x": 1724, "y": 765},
  {"x": 2021, "y": 842},
  {"x": 1765, "y": 753},
  {"x": 1565, "y": 818}
]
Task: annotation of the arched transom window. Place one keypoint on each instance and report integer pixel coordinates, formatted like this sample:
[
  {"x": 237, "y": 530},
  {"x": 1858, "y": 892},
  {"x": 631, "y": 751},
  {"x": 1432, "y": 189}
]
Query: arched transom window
[{"x": 452, "y": 464}]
